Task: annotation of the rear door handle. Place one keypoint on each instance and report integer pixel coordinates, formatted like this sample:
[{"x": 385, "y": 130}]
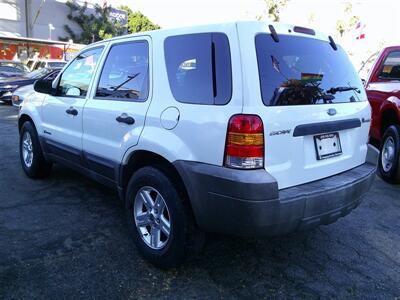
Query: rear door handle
[
  {"x": 72, "y": 111},
  {"x": 124, "y": 118}
]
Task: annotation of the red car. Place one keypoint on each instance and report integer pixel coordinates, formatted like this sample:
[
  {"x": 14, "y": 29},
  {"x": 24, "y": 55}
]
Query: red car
[{"x": 383, "y": 90}]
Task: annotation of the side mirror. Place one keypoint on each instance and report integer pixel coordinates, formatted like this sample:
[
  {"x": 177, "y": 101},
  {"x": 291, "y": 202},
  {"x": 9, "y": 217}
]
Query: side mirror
[
  {"x": 44, "y": 86},
  {"x": 364, "y": 82}
]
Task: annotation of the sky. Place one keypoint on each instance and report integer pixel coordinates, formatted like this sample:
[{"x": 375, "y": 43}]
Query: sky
[{"x": 379, "y": 18}]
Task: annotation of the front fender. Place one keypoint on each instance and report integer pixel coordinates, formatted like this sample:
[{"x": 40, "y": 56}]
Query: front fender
[{"x": 31, "y": 107}]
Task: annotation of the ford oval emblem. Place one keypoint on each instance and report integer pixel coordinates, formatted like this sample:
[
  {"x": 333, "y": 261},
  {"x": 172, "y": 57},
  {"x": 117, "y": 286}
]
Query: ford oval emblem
[{"x": 331, "y": 111}]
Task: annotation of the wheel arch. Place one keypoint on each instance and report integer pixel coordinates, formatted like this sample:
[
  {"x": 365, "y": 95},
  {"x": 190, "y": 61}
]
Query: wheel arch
[
  {"x": 25, "y": 118},
  {"x": 141, "y": 158},
  {"x": 389, "y": 116}
]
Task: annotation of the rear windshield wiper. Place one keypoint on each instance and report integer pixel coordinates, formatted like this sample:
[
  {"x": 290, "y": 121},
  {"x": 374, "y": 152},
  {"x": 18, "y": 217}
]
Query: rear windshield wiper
[{"x": 334, "y": 90}]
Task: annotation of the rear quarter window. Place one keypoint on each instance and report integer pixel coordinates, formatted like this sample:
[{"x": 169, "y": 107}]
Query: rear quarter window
[{"x": 199, "y": 68}]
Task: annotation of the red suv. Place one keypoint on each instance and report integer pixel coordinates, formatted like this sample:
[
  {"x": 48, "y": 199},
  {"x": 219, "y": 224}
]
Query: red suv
[{"x": 383, "y": 90}]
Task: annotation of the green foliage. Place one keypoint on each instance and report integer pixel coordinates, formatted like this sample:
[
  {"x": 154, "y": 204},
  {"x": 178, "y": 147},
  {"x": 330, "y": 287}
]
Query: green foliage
[
  {"x": 349, "y": 21},
  {"x": 273, "y": 9},
  {"x": 94, "y": 27},
  {"x": 138, "y": 22}
]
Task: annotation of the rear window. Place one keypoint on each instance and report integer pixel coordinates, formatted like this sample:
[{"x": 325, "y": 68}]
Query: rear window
[
  {"x": 199, "y": 68},
  {"x": 301, "y": 71}
]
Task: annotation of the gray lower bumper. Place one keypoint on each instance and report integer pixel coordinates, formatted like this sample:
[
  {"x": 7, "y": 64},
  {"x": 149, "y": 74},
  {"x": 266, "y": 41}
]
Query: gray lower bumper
[{"x": 243, "y": 202}]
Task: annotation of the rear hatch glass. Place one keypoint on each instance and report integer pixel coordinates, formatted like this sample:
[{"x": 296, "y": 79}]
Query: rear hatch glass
[{"x": 302, "y": 71}]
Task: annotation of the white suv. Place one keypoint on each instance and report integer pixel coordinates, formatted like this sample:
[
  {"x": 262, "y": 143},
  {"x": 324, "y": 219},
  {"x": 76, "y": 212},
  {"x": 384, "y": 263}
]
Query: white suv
[{"x": 242, "y": 129}]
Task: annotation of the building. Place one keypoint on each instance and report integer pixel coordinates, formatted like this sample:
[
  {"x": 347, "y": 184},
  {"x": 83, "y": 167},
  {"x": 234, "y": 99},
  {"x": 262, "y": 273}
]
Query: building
[{"x": 33, "y": 28}]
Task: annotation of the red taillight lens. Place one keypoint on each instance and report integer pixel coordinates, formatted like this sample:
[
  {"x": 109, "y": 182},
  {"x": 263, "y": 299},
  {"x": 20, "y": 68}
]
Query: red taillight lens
[{"x": 244, "y": 148}]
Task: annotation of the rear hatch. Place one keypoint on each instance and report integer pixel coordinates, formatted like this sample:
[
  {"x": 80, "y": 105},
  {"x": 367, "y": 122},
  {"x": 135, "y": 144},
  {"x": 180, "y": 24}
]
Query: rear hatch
[{"x": 313, "y": 106}]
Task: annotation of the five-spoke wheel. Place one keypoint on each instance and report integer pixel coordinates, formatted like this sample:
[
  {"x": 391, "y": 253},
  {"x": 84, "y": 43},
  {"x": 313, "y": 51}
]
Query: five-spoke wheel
[{"x": 152, "y": 217}]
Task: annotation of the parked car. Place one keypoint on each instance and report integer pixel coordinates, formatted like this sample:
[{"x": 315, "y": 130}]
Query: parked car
[
  {"x": 22, "y": 93},
  {"x": 9, "y": 68},
  {"x": 383, "y": 90},
  {"x": 35, "y": 64},
  {"x": 192, "y": 128},
  {"x": 8, "y": 86}
]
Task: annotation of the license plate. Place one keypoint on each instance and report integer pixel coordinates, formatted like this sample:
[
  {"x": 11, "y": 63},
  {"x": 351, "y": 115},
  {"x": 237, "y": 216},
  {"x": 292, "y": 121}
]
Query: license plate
[{"x": 327, "y": 145}]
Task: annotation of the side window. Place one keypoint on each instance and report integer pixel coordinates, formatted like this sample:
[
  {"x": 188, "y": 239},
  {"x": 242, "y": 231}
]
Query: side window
[
  {"x": 125, "y": 75},
  {"x": 199, "y": 68},
  {"x": 390, "y": 68},
  {"x": 76, "y": 78}
]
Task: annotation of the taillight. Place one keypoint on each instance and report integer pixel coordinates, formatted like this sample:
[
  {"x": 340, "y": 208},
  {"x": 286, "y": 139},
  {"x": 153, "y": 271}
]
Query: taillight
[{"x": 244, "y": 147}]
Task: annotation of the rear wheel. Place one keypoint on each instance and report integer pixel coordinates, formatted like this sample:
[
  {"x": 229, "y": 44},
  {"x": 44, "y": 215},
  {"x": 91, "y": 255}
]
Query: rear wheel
[
  {"x": 161, "y": 224},
  {"x": 389, "y": 164},
  {"x": 31, "y": 156}
]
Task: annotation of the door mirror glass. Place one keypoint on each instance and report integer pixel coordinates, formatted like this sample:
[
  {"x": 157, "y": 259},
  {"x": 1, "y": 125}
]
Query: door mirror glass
[
  {"x": 44, "y": 86},
  {"x": 73, "y": 91}
]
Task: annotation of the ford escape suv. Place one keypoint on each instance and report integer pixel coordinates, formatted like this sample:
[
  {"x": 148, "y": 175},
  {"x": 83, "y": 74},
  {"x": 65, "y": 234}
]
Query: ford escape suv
[{"x": 241, "y": 129}]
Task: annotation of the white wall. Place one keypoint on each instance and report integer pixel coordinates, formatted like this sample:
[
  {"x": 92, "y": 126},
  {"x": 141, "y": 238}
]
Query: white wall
[{"x": 12, "y": 18}]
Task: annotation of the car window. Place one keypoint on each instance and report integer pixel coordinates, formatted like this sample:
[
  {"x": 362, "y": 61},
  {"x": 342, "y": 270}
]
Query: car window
[
  {"x": 52, "y": 75},
  {"x": 390, "y": 68},
  {"x": 125, "y": 74},
  {"x": 305, "y": 71},
  {"x": 76, "y": 78},
  {"x": 10, "y": 69},
  {"x": 199, "y": 68},
  {"x": 56, "y": 64},
  {"x": 36, "y": 65},
  {"x": 37, "y": 73}
]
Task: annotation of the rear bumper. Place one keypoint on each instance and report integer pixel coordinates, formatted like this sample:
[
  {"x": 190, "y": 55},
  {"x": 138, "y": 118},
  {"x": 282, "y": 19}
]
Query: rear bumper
[{"x": 243, "y": 202}]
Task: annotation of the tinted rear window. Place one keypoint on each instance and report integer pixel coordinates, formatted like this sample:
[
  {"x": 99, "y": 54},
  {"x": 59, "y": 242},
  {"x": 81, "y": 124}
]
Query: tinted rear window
[
  {"x": 301, "y": 71},
  {"x": 199, "y": 68}
]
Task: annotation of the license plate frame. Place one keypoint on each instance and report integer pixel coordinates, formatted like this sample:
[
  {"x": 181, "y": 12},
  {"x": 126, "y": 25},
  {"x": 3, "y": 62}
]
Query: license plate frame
[{"x": 327, "y": 145}]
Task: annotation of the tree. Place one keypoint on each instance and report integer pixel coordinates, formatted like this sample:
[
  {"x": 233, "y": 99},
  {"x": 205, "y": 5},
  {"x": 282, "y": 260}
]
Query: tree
[
  {"x": 137, "y": 21},
  {"x": 95, "y": 27},
  {"x": 350, "y": 20},
  {"x": 273, "y": 9}
]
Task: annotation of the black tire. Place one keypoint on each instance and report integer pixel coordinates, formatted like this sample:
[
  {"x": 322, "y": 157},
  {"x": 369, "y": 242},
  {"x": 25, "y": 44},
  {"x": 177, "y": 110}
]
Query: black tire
[
  {"x": 391, "y": 174},
  {"x": 39, "y": 168},
  {"x": 185, "y": 238}
]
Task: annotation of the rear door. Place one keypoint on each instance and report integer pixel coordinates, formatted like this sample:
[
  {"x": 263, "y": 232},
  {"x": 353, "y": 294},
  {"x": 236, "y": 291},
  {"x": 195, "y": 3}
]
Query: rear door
[
  {"x": 313, "y": 106},
  {"x": 114, "y": 115}
]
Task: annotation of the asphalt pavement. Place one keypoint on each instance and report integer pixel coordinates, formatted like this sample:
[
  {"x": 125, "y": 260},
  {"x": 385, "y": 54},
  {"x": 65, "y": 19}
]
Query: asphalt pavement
[{"x": 65, "y": 237}]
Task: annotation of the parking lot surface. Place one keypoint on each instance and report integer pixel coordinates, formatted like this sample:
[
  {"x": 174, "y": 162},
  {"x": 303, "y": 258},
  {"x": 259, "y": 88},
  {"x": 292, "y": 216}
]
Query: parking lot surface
[{"x": 65, "y": 237}]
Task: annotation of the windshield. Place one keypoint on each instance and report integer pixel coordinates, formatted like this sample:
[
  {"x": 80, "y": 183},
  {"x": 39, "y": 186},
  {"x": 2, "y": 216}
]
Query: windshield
[
  {"x": 301, "y": 71},
  {"x": 38, "y": 73},
  {"x": 13, "y": 67}
]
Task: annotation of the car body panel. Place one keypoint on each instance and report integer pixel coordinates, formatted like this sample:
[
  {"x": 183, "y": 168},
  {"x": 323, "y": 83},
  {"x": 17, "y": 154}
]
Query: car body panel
[{"x": 383, "y": 94}]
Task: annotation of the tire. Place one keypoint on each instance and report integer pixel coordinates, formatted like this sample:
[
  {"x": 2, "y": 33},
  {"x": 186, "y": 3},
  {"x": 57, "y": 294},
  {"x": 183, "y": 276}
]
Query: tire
[
  {"x": 36, "y": 166},
  {"x": 389, "y": 163},
  {"x": 184, "y": 238}
]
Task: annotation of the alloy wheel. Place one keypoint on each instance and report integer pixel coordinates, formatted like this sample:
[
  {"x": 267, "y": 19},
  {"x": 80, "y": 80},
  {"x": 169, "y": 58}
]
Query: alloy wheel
[
  {"x": 152, "y": 217},
  {"x": 27, "y": 149}
]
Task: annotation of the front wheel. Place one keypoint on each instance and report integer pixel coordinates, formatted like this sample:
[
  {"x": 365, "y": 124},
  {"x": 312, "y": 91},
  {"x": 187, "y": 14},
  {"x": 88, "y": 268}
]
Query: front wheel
[
  {"x": 161, "y": 224},
  {"x": 389, "y": 164},
  {"x": 31, "y": 155}
]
